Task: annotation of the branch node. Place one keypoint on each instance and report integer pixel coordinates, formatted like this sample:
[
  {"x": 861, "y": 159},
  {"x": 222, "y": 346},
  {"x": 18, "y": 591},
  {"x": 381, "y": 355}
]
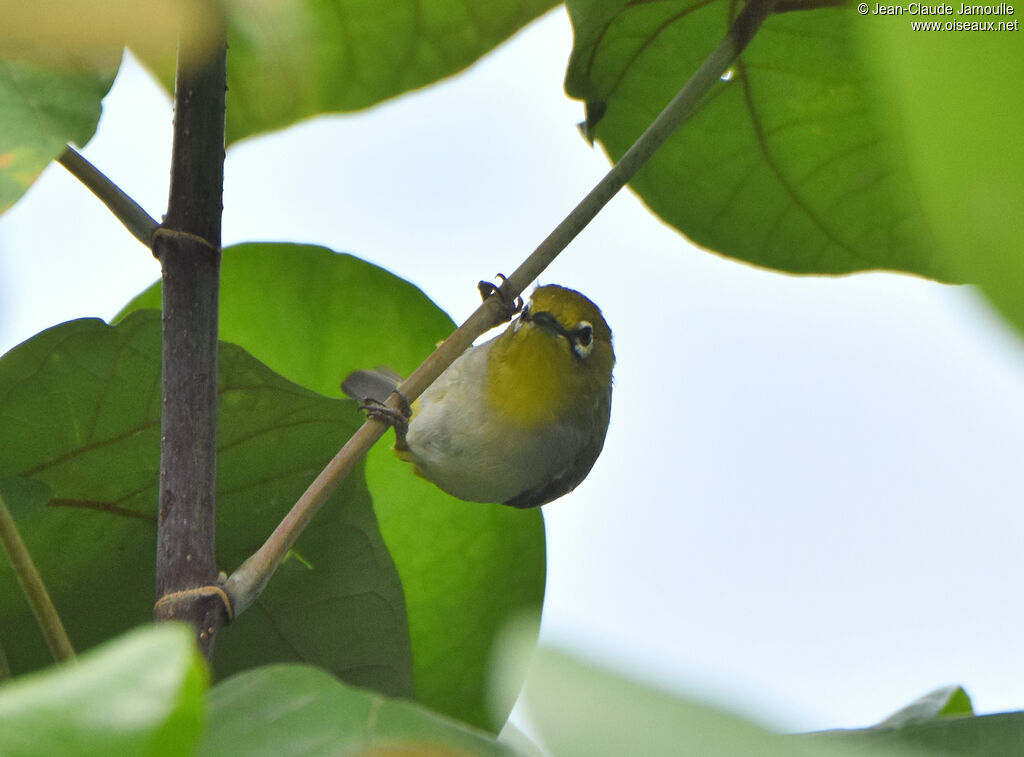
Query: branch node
[
  {"x": 177, "y": 235},
  {"x": 168, "y": 606}
]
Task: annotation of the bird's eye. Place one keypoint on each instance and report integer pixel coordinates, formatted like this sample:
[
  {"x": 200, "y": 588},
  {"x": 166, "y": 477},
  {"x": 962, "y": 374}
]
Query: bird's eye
[{"x": 582, "y": 339}]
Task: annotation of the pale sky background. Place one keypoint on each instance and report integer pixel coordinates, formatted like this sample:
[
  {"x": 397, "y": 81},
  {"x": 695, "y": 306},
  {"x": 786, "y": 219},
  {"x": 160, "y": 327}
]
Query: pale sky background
[{"x": 809, "y": 504}]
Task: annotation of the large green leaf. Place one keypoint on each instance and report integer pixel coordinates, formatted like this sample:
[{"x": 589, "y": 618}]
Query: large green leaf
[
  {"x": 24, "y": 495},
  {"x": 286, "y": 710},
  {"x": 42, "y": 108},
  {"x": 794, "y": 163},
  {"x": 81, "y": 403},
  {"x": 314, "y": 315},
  {"x": 467, "y": 569},
  {"x": 138, "y": 695},
  {"x": 291, "y": 60}
]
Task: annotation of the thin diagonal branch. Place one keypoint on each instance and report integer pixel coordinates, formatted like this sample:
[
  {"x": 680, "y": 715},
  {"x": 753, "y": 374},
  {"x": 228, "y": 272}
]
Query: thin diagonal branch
[
  {"x": 35, "y": 590},
  {"x": 125, "y": 209},
  {"x": 671, "y": 118},
  {"x": 246, "y": 583}
]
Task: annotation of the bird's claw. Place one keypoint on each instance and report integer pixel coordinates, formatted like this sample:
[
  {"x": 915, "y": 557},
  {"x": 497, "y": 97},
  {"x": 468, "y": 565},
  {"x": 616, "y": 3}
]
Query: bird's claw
[
  {"x": 509, "y": 306},
  {"x": 397, "y": 418}
]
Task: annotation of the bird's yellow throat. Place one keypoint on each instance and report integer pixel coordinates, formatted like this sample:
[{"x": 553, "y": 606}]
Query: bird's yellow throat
[{"x": 534, "y": 378}]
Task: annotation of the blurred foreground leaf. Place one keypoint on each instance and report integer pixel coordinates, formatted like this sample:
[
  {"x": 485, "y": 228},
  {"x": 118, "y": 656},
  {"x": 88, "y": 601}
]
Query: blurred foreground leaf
[
  {"x": 140, "y": 694},
  {"x": 982, "y": 736},
  {"x": 297, "y": 710},
  {"x": 98, "y": 30},
  {"x": 314, "y": 316},
  {"x": 81, "y": 408},
  {"x": 949, "y": 701},
  {"x": 578, "y": 710},
  {"x": 968, "y": 169},
  {"x": 940, "y": 721}
]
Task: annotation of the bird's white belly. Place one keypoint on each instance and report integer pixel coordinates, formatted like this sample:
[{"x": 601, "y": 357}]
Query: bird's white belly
[{"x": 473, "y": 453}]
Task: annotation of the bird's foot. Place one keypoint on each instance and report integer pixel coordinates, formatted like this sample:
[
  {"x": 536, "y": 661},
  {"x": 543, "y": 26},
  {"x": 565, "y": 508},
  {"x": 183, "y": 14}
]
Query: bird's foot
[
  {"x": 509, "y": 307},
  {"x": 397, "y": 418}
]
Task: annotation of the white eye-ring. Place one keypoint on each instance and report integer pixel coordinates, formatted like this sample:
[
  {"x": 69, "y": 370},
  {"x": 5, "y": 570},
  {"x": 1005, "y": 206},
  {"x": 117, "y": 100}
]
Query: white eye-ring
[{"x": 582, "y": 338}]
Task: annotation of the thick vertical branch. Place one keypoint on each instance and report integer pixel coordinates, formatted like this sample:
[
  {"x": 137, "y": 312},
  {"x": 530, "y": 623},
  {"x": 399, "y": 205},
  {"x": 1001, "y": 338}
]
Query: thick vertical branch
[{"x": 188, "y": 247}]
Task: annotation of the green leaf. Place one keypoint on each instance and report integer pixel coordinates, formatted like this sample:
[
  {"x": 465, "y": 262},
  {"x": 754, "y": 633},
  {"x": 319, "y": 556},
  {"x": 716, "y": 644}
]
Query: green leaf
[
  {"x": 81, "y": 404},
  {"x": 949, "y": 701},
  {"x": 974, "y": 195},
  {"x": 24, "y": 496},
  {"x": 292, "y": 60},
  {"x": 140, "y": 694},
  {"x": 42, "y": 108},
  {"x": 794, "y": 163},
  {"x": 478, "y": 567},
  {"x": 578, "y": 710},
  {"x": 314, "y": 316},
  {"x": 957, "y": 702},
  {"x": 285, "y": 710}
]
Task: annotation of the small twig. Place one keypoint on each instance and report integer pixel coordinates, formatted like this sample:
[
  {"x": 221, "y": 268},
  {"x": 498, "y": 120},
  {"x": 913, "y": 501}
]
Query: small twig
[
  {"x": 125, "y": 209},
  {"x": 246, "y": 583},
  {"x": 34, "y": 588}
]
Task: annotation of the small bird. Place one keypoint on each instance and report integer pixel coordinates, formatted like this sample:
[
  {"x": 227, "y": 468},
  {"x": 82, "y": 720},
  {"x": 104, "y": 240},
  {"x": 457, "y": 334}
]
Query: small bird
[{"x": 519, "y": 419}]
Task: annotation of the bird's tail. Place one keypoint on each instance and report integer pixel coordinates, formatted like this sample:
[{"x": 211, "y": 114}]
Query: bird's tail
[{"x": 371, "y": 385}]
